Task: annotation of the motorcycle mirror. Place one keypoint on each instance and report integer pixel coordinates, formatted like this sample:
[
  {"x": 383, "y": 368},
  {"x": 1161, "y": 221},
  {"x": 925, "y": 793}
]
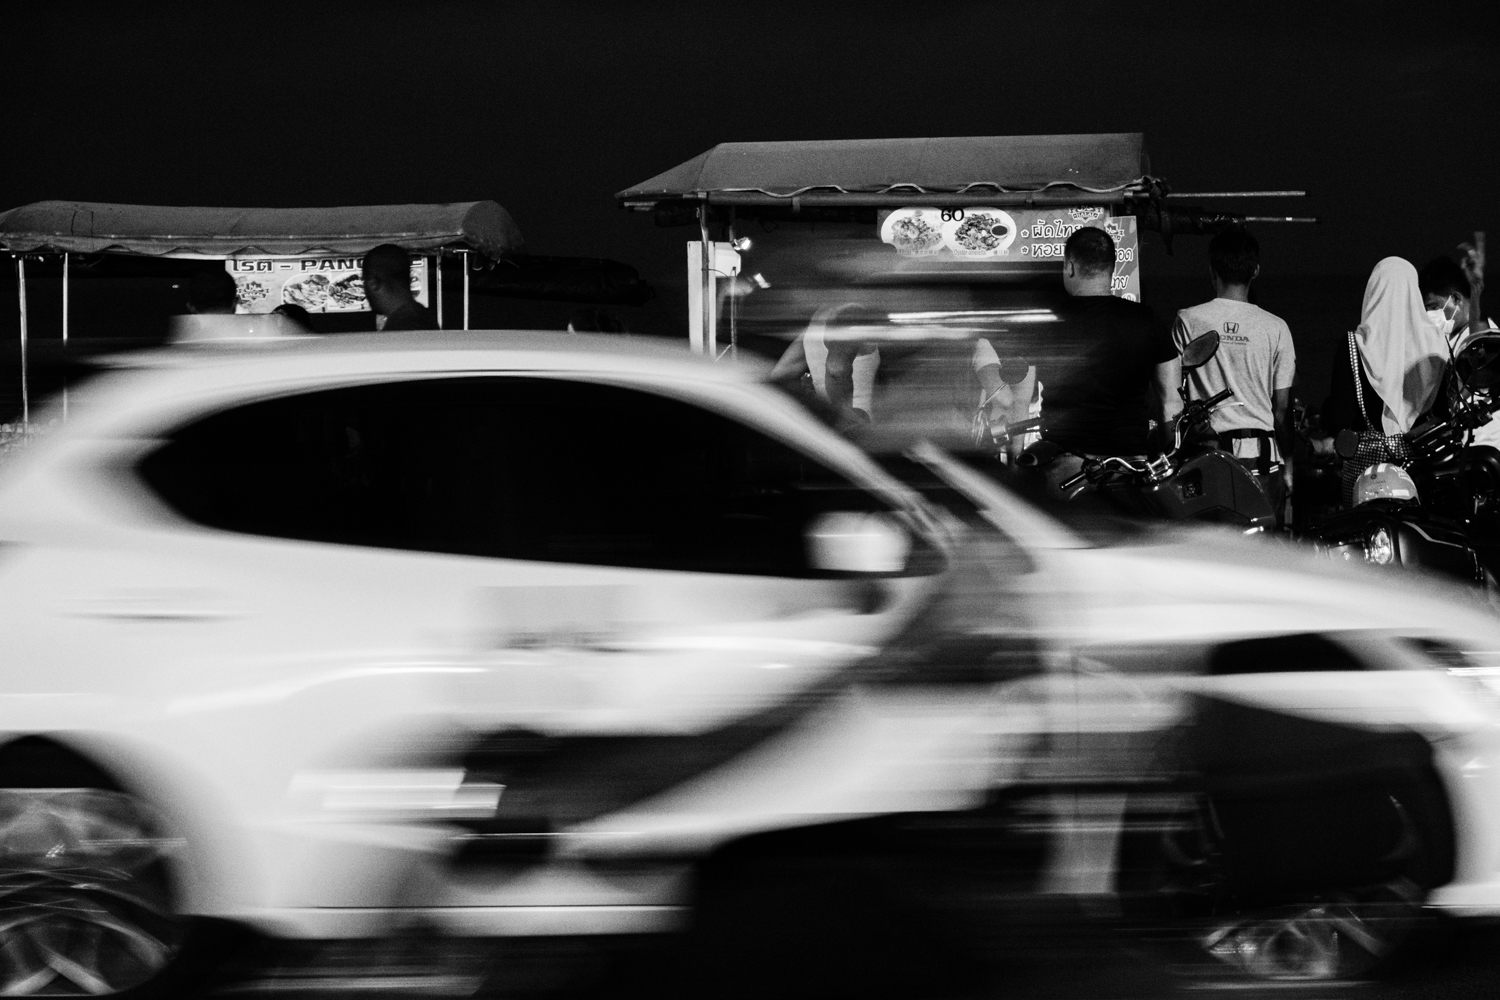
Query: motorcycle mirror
[
  {"x": 1478, "y": 362},
  {"x": 848, "y": 542},
  {"x": 1013, "y": 371},
  {"x": 1345, "y": 443},
  {"x": 1199, "y": 350}
]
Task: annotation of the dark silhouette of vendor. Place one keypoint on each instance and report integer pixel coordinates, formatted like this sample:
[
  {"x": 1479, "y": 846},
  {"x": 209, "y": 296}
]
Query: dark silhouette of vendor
[
  {"x": 387, "y": 279},
  {"x": 211, "y": 290}
]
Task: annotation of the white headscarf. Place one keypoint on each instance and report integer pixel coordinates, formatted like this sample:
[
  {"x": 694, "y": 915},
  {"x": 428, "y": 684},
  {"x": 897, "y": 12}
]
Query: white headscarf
[{"x": 1403, "y": 353}]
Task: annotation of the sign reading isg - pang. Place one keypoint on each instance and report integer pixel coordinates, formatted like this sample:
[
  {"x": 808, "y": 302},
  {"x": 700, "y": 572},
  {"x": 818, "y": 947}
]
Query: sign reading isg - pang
[
  {"x": 1020, "y": 235},
  {"x": 321, "y": 284}
]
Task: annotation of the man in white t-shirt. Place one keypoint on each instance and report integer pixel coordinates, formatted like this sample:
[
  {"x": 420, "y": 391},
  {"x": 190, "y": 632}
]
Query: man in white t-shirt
[{"x": 1256, "y": 360}]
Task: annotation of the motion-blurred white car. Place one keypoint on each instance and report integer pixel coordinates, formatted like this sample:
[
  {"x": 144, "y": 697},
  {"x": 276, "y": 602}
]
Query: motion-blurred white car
[{"x": 500, "y": 633}]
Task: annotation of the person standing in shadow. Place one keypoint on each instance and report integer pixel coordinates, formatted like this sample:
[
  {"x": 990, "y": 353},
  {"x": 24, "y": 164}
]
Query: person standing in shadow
[{"x": 386, "y": 274}]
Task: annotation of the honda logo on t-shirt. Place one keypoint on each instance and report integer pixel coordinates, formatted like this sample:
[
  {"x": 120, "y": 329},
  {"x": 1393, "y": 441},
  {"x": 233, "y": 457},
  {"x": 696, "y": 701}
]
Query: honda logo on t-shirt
[{"x": 1232, "y": 333}]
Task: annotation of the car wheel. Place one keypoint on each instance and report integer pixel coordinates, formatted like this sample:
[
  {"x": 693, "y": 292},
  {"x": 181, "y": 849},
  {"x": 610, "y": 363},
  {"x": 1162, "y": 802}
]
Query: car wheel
[
  {"x": 86, "y": 900},
  {"x": 1341, "y": 936},
  {"x": 1325, "y": 934}
]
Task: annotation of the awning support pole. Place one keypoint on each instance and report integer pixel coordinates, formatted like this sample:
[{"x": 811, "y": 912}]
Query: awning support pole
[
  {"x": 706, "y": 250},
  {"x": 734, "y": 297},
  {"x": 65, "y": 337},
  {"x": 438, "y": 265},
  {"x": 25, "y": 374},
  {"x": 466, "y": 289}
]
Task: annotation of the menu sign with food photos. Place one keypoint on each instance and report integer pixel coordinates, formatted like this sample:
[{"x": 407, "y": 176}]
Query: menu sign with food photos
[
  {"x": 1022, "y": 235},
  {"x": 322, "y": 284}
]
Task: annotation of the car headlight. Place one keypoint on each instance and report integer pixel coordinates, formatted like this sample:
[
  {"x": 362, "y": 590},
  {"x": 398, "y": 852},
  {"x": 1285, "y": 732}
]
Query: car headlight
[{"x": 1380, "y": 547}]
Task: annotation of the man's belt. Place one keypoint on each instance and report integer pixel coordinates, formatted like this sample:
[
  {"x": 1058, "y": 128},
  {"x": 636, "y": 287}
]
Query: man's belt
[{"x": 1263, "y": 463}]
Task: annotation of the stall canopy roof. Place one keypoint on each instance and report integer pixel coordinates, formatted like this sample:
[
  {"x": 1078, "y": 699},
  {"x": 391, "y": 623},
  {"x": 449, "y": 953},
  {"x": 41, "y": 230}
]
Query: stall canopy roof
[
  {"x": 176, "y": 231},
  {"x": 1105, "y": 163}
]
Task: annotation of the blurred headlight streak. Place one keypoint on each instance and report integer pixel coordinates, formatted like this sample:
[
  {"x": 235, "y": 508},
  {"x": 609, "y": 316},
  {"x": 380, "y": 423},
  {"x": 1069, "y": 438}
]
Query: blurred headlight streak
[
  {"x": 972, "y": 315},
  {"x": 364, "y": 796}
]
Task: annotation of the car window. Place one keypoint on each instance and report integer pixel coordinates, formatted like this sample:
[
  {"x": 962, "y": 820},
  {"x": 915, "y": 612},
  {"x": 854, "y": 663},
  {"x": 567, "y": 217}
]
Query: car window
[{"x": 515, "y": 467}]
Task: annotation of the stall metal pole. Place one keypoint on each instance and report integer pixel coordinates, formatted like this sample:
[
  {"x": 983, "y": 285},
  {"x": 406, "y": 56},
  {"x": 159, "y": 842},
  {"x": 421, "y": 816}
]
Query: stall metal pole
[
  {"x": 706, "y": 250},
  {"x": 65, "y": 336},
  {"x": 466, "y": 289},
  {"x": 734, "y": 297},
  {"x": 25, "y": 375},
  {"x": 438, "y": 265}
]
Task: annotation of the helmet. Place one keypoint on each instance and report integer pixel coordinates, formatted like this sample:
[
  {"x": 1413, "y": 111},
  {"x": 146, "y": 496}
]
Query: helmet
[{"x": 1383, "y": 481}]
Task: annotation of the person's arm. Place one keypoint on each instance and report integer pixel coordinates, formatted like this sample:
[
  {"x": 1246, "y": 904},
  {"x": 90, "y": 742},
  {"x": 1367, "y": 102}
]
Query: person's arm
[
  {"x": 1283, "y": 374},
  {"x": 1281, "y": 409},
  {"x": 839, "y": 377},
  {"x": 1169, "y": 372},
  {"x": 1168, "y": 378},
  {"x": 990, "y": 383},
  {"x": 792, "y": 364},
  {"x": 1021, "y": 395},
  {"x": 1010, "y": 403}
]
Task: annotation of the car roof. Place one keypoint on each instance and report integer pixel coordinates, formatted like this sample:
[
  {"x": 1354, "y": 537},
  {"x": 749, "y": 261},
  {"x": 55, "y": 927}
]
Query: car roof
[
  {"x": 147, "y": 387},
  {"x": 424, "y": 350}
]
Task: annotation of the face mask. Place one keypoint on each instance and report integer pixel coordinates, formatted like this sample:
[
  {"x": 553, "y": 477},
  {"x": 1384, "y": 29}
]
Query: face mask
[{"x": 1441, "y": 320}]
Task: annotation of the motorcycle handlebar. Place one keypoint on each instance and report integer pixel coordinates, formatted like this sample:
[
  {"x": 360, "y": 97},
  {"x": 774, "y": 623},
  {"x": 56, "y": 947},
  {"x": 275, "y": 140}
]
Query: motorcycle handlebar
[
  {"x": 1217, "y": 398},
  {"x": 1096, "y": 470}
]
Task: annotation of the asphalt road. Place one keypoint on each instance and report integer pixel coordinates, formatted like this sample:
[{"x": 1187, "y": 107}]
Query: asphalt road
[{"x": 1447, "y": 962}]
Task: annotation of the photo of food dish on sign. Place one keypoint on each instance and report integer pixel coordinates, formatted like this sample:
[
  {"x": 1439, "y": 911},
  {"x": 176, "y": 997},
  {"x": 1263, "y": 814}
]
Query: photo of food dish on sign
[
  {"x": 979, "y": 232},
  {"x": 914, "y": 232},
  {"x": 318, "y": 284},
  {"x": 1020, "y": 236}
]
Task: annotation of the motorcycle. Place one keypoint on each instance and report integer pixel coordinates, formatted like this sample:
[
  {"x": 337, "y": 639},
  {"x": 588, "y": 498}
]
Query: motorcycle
[
  {"x": 1187, "y": 481},
  {"x": 1451, "y": 523}
]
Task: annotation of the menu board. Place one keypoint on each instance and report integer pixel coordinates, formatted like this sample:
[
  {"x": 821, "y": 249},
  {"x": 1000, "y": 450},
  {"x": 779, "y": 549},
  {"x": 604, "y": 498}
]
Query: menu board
[
  {"x": 321, "y": 284},
  {"x": 1012, "y": 234}
]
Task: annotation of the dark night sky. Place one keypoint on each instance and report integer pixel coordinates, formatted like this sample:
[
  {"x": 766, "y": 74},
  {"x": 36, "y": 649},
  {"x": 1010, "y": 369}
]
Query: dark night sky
[{"x": 551, "y": 108}]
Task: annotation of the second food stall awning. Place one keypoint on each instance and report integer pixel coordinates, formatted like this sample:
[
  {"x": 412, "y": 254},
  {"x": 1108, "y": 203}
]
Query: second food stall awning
[
  {"x": 181, "y": 231},
  {"x": 873, "y": 172}
]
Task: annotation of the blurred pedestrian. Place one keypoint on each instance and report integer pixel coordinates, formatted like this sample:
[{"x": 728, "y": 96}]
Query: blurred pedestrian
[
  {"x": 1389, "y": 373},
  {"x": 838, "y": 361},
  {"x": 386, "y": 274},
  {"x": 1008, "y": 392},
  {"x": 1256, "y": 361}
]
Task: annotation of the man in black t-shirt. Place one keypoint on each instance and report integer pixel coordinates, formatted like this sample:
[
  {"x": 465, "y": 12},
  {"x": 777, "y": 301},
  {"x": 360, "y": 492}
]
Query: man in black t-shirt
[{"x": 1097, "y": 384}]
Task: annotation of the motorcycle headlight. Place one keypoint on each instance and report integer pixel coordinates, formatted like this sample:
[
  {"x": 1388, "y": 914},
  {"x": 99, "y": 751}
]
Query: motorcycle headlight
[{"x": 1380, "y": 547}]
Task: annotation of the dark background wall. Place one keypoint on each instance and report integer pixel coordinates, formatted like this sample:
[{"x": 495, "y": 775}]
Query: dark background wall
[{"x": 1377, "y": 109}]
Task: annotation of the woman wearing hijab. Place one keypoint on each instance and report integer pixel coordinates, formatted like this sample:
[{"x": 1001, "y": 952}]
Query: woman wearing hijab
[{"x": 1389, "y": 372}]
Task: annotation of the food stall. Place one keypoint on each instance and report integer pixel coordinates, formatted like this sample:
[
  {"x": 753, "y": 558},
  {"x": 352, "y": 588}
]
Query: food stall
[
  {"x": 970, "y": 211},
  {"x": 308, "y": 257}
]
